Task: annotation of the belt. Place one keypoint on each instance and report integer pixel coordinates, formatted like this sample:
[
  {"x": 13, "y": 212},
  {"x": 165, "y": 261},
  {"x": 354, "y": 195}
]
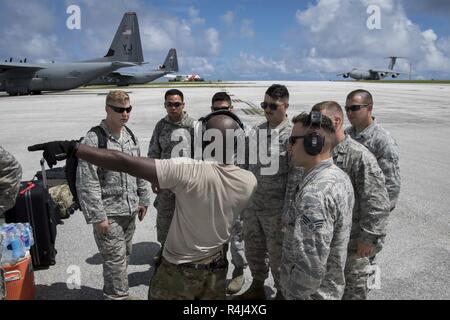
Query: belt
[{"x": 220, "y": 262}]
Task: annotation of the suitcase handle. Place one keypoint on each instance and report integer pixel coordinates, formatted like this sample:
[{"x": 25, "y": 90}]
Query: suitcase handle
[
  {"x": 14, "y": 275},
  {"x": 30, "y": 185},
  {"x": 44, "y": 174}
]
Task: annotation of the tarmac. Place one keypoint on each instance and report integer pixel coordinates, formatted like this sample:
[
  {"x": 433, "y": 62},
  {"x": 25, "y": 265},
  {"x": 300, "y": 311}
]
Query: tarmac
[{"x": 415, "y": 261}]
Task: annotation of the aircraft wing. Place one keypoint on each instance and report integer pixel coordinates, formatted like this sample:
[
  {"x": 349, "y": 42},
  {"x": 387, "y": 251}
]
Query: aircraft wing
[
  {"x": 20, "y": 67},
  {"x": 387, "y": 71},
  {"x": 120, "y": 75},
  {"x": 121, "y": 64}
]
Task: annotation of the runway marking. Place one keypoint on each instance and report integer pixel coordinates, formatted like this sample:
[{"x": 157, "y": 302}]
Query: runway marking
[{"x": 252, "y": 109}]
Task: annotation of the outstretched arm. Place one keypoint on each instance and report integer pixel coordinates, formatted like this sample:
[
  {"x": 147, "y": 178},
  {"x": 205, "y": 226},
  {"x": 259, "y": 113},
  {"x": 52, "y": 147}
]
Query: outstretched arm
[{"x": 144, "y": 168}]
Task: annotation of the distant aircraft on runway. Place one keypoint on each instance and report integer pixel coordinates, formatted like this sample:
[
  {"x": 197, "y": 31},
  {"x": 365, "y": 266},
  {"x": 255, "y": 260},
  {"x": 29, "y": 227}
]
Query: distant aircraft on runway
[
  {"x": 374, "y": 74},
  {"x": 184, "y": 78},
  {"x": 24, "y": 78},
  {"x": 170, "y": 66}
]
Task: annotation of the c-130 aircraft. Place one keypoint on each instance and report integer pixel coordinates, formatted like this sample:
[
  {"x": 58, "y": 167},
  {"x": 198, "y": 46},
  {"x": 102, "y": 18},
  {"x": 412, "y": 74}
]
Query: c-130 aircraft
[
  {"x": 170, "y": 67},
  {"x": 25, "y": 78}
]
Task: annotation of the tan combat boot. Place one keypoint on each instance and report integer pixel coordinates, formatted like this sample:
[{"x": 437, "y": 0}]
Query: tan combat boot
[
  {"x": 236, "y": 282},
  {"x": 255, "y": 292}
]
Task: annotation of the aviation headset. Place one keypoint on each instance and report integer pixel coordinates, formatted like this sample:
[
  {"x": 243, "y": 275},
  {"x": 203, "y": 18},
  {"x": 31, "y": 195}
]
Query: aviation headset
[
  {"x": 314, "y": 142},
  {"x": 204, "y": 120}
]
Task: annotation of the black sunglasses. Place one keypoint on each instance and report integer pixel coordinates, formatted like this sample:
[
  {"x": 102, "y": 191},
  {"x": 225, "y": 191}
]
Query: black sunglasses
[
  {"x": 173, "y": 104},
  {"x": 355, "y": 107},
  {"x": 121, "y": 110},
  {"x": 293, "y": 139},
  {"x": 272, "y": 106}
]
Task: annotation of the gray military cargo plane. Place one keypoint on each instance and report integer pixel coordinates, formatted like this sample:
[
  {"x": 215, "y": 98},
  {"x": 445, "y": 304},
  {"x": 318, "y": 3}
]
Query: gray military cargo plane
[
  {"x": 170, "y": 66},
  {"x": 374, "y": 74},
  {"x": 24, "y": 78}
]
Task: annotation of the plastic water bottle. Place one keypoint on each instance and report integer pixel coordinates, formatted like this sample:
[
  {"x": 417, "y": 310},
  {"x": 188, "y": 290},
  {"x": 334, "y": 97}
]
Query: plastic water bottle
[
  {"x": 13, "y": 247},
  {"x": 24, "y": 234},
  {"x": 30, "y": 234},
  {"x": 6, "y": 254},
  {"x": 6, "y": 249}
]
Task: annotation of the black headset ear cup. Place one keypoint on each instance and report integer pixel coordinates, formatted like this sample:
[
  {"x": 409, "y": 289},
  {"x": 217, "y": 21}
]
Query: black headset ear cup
[{"x": 314, "y": 143}]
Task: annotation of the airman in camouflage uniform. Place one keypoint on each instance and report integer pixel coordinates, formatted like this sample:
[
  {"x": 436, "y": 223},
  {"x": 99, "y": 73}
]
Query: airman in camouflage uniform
[
  {"x": 161, "y": 146},
  {"x": 318, "y": 221},
  {"x": 112, "y": 200},
  {"x": 371, "y": 211},
  {"x": 10, "y": 176},
  {"x": 262, "y": 219},
  {"x": 369, "y": 133}
]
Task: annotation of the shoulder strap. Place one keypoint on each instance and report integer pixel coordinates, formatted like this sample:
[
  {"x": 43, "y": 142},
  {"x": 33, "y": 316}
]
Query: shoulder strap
[
  {"x": 101, "y": 135},
  {"x": 131, "y": 134}
]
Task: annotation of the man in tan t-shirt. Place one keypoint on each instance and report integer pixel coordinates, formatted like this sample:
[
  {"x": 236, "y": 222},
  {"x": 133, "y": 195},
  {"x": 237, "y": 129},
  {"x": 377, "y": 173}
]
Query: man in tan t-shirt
[{"x": 209, "y": 196}]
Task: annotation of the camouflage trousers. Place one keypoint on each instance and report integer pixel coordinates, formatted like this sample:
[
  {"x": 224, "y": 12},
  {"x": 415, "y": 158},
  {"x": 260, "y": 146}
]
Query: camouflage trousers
[
  {"x": 115, "y": 248},
  {"x": 237, "y": 245},
  {"x": 263, "y": 244},
  {"x": 165, "y": 206},
  {"x": 356, "y": 277},
  {"x": 177, "y": 282}
]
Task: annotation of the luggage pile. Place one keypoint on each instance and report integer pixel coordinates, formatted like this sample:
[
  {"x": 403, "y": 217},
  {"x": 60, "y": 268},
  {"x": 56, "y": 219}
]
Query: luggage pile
[
  {"x": 28, "y": 237},
  {"x": 15, "y": 265},
  {"x": 35, "y": 206}
]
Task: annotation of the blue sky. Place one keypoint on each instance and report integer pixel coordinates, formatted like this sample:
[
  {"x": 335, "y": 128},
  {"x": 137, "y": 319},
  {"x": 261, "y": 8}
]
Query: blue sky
[{"x": 241, "y": 40}]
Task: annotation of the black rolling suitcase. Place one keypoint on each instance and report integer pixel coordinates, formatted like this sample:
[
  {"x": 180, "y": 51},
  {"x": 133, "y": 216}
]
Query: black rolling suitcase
[{"x": 35, "y": 206}]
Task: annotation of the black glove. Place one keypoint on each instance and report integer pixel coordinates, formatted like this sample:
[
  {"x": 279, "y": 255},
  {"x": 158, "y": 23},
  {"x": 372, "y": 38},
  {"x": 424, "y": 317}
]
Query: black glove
[{"x": 56, "y": 150}]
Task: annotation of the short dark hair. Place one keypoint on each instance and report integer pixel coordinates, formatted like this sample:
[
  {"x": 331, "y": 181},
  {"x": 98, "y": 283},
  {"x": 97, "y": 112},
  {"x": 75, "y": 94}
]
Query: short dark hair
[
  {"x": 367, "y": 96},
  {"x": 332, "y": 106},
  {"x": 221, "y": 96},
  {"x": 305, "y": 120},
  {"x": 174, "y": 92},
  {"x": 277, "y": 92}
]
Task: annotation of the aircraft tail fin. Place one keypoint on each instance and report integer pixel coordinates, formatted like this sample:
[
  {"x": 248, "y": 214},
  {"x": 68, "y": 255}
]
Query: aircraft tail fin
[
  {"x": 393, "y": 61},
  {"x": 171, "y": 62},
  {"x": 126, "y": 45}
]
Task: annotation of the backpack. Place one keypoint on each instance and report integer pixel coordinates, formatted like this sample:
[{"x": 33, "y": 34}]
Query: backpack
[{"x": 72, "y": 162}]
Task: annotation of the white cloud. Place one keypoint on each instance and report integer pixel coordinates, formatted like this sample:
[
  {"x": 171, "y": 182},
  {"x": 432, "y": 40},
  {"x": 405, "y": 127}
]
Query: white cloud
[
  {"x": 213, "y": 40},
  {"x": 194, "y": 15},
  {"x": 335, "y": 35},
  {"x": 444, "y": 45},
  {"x": 228, "y": 18},
  {"x": 247, "y": 30},
  {"x": 325, "y": 9},
  {"x": 251, "y": 66},
  {"x": 197, "y": 65},
  {"x": 29, "y": 30}
]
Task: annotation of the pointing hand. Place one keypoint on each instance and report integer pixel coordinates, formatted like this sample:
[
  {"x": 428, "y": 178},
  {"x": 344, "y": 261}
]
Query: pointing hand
[{"x": 56, "y": 150}]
